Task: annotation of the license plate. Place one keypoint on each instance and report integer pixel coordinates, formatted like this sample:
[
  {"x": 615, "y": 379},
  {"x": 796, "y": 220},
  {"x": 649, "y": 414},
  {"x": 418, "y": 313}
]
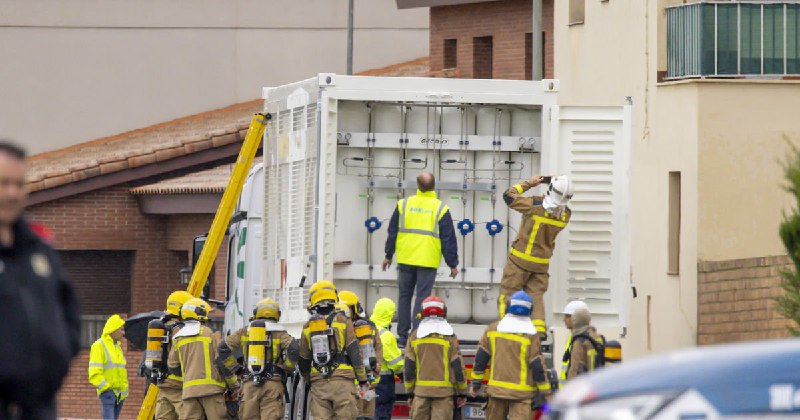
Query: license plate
[{"x": 474, "y": 412}]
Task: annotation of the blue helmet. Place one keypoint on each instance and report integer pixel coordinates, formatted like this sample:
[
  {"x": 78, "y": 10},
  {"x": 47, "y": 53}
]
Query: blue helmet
[{"x": 520, "y": 304}]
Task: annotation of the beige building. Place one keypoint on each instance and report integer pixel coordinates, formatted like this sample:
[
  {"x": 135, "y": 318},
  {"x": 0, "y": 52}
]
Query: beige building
[
  {"x": 82, "y": 69},
  {"x": 713, "y": 117}
]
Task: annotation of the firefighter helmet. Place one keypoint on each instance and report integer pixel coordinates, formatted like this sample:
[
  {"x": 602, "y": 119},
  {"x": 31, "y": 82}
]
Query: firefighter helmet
[
  {"x": 267, "y": 309},
  {"x": 321, "y": 291},
  {"x": 195, "y": 308},
  {"x": 520, "y": 304},
  {"x": 351, "y": 300},
  {"x": 433, "y": 306},
  {"x": 176, "y": 300},
  {"x": 573, "y": 306},
  {"x": 559, "y": 192}
]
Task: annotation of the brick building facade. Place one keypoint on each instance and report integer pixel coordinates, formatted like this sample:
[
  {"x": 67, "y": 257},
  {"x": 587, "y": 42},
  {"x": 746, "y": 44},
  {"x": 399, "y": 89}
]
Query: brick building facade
[{"x": 488, "y": 40}]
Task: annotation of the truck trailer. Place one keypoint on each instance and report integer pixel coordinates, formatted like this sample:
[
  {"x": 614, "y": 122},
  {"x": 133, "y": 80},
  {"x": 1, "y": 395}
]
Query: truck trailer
[{"x": 340, "y": 152}]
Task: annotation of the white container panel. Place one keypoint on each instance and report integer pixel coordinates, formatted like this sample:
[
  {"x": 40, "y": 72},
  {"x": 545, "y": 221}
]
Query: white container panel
[
  {"x": 353, "y": 117},
  {"x": 526, "y": 122},
  {"x": 387, "y": 290},
  {"x": 484, "y": 305},
  {"x": 458, "y": 301},
  {"x": 386, "y": 118},
  {"x": 493, "y": 121}
]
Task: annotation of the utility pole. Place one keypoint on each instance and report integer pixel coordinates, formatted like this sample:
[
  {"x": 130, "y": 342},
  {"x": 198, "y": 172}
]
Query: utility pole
[
  {"x": 537, "y": 56},
  {"x": 349, "y": 37}
]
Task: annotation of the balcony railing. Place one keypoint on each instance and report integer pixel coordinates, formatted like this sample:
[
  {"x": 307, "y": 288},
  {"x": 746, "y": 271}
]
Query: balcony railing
[{"x": 734, "y": 39}]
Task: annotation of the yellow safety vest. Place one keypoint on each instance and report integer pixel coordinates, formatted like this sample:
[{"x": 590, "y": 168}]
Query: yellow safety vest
[
  {"x": 393, "y": 360},
  {"x": 418, "y": 240},
  {"x": 565, "y": 364},
  {"x": 107, "y": 367}
]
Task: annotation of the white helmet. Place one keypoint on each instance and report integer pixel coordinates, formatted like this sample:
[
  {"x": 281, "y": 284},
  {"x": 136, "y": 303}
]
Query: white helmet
[
  {"x": 574, "y": 306},
  {"x": 559, "y": 192}
]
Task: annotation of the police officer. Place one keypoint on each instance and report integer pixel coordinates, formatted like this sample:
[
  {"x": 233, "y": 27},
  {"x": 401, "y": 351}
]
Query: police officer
[
  {"x": 170, "y": 391},
  {"x": 420, "y": 230},
  {"x": 434, "y": 371},
  {"x": 543, "y": 219},
  {"x": 330, "y": 359},
  {"x": 368, "y": 341},
  {"x": 511, "y": 345},
  {"x": 264, "y": 385},
  {"x": 392, "y": 363},
  {"x": 39, "y": 308},
  {"x": 192, "y": 356}
]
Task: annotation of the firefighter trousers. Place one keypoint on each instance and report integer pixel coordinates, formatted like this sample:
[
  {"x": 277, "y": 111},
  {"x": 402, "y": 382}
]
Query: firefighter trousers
[
  {"x": 262, "y": 402},
  {"x": 515, "y": 278},
  {"x": 211, "y": 407},
  {"x": 168, "y": 404},
  {"x": 423, "y": 408},
  {"x": 333, "y": 399},
  {"x": 501, "y": 409}
]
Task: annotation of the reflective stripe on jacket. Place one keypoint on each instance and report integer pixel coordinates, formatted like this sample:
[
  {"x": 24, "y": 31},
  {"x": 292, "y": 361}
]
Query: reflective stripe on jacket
[
  {"x": 433, "y": 366},
  {"x": 382, "y": 314},
  {"x": 107, "y": 362},
  {"x": 536, "y": 239},
  {"x": 418, "y": 242},
  {"x": 345, "y": 339},
  {"x": 195, "y": 356}
]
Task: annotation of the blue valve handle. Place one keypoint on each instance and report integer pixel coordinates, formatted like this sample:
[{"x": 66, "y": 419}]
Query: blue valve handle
[
  {"x": 372, "y": 224},
  {"x": 465, "y": 227},
  {"x": 494, "y": 227}
]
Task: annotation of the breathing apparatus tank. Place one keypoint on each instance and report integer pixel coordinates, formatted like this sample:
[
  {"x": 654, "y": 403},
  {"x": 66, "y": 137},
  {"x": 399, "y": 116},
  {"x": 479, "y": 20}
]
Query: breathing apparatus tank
[
  {"x": 259, "y": 351},
  {"x": 157, "y": 350},
  {"x": 364, "y": 336},
  {"x": 321, "y": 351}
]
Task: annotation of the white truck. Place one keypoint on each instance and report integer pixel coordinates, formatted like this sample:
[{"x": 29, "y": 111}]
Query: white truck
[{"x": 341, "y": 150}]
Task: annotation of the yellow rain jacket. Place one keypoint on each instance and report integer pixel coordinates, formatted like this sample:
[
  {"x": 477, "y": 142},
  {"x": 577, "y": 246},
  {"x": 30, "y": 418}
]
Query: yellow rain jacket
[
  {"x": 382, "y": 314},
  {"x": 107, "y": 363}
]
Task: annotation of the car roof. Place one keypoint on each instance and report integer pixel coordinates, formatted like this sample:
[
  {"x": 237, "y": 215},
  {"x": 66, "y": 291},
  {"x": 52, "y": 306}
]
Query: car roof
[{"x": 735, "y": 378}]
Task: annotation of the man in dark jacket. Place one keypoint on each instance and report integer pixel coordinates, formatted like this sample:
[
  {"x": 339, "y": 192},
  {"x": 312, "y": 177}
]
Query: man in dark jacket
[
  {"x": 39, "y": 322},
  {"x": 421, "y": 232}
]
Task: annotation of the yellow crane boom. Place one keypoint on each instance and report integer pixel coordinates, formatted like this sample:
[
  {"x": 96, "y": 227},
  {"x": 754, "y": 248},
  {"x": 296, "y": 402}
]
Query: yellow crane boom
[{"x": 218, "y": 229}]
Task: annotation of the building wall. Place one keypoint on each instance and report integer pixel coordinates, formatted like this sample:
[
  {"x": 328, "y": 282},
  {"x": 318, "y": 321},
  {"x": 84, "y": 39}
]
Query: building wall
[
  {"x": 506, "y": 21},
  {"x": 736, "y": 299},
  {"x": 110, "y": 219},
  {"x": 100, "y": 68}
]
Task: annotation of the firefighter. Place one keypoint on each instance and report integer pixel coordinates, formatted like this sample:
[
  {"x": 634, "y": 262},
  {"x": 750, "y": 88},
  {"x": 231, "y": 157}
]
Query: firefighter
[
  {"x": 273, "y": 357},
  {"x": 585, "y": 352},
  {"x": 330, "y": 359},
  {"x": 107, "y": 370},
  {"x": 568, "y": 311},
  {"x": 511, "y": 347},
  {"x": 193, "y": 352},
  {"x": 371, "y": 350},
  {"x": 527, "y": 265},
  {"x": 170, "y": 388},
  {"x": 434, "y": 372},
  {"x": 392, "y": 363}
]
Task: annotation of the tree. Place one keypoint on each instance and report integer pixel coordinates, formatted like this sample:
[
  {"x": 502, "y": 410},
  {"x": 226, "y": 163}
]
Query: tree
[{"x": 789, "y": 303}]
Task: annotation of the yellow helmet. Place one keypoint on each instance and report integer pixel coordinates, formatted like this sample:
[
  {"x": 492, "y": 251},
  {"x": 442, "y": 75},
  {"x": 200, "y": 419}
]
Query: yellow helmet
[
  {"x": 176, "y": 300},
  {"x": 320, "y": 291},
  {"x": 267, "y": 309},
  {"x": 196, "y": 308},
  {"x": 351, "y": 300},
  {"x": 343, "y": 308}
]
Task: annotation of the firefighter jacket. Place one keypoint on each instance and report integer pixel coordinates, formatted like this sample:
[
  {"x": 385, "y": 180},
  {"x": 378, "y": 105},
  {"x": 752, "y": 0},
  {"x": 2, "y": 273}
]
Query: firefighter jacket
[
  {"x": 420, "y": 231},
  {"x": 382, "y": 314},
  {"x": 517, "y": 365},
  {"x": 284, "y": 351},
  {"x": 433, "y": 366},
  {"x": 562, "y": 376},
  {"x": 107, "y": 362},
  {"x": 346, "y": 355},
  {"x": 582, "y": 354},
  {"x": 536, "y": 239},
  {"x": 173, "y": 381},
  {"x": 194, "y": 349}
]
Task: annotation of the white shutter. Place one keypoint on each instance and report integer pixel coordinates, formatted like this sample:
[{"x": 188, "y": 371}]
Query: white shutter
[{"x": 592, "y": 258}]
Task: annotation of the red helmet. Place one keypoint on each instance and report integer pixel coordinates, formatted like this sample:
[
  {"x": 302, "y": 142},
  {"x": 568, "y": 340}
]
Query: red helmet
[{"x": 433, "y": 306}]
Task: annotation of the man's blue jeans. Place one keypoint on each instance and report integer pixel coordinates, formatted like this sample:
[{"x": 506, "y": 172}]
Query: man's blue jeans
[{"x": 110, "y": 405}]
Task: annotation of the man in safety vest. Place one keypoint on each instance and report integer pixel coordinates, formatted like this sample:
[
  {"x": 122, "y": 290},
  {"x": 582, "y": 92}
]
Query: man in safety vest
[
  {"x": 569, "y": 310},
  {"x": 170, "y": 392},
  {"x": 585, "y": 352},
  {"x": 192, "y": 356},
  {"x": 107, "y": 370},
  {"x": 263, "y": 391},
  {"x": 434, "y": 371},
  {"x": 420, "y": 231},
  {"x": 329, "y": 357},
  {"x": 392, "y": 363},
  {"x": 543, "y": 218},
  {"x": 517, "y": 378},
  {"x": 371, "y": 344}
]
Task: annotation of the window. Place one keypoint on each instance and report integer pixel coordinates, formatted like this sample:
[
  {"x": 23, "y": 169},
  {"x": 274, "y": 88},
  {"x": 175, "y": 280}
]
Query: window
[
  {"x": 482, "y": 57},
  {"x": 674, "y": 225},
  {"x": 733, "y": 39},
  {"x": 102, "y": 279},
  {"x": 450, "y": 54},
  {"x": 577, "y": 11}
]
